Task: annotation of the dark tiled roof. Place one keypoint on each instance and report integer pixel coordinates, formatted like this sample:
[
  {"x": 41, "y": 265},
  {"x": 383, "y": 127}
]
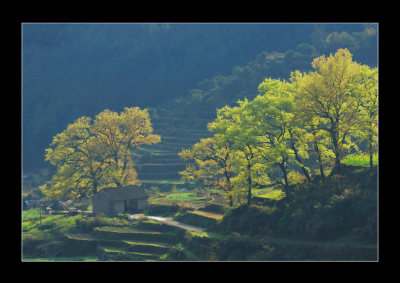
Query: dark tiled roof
[{"x": 124, "y": 193}]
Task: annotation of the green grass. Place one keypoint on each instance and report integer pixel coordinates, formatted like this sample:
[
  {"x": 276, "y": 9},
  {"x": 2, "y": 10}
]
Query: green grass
[
  {"x": 55, "y": 224},
  {"x": 121, "y": 255},
  {"x": 184, "y": 196},
  {"x": 31, "y": 219},
  {"x": 215, "y": 216},
  {"x": 359, "y": 160},
  {"x": 207, "y": 234},
  {"x": 67, "y": 225},
  {"x": 36, "y": 234},
  {"x": 190, "y": 255},
  {"x": 75, "y": 258},
  {"x": 161, "y": 245},
  {"x": 30, "y": 214},
  {"x": 261, "y": 191},
  {"x": 274, "y": 194}
]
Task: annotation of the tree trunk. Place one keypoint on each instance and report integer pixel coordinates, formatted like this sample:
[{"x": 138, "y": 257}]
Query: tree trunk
[
  {"x": 249, "y": 182},
  {"x": 318, "y": 153},
  {"x": 336, "y": 168},
  {"x": 95, "y": 187},
  {"x": 228, "y": 183},
  {"x": 283, "y": 168},
  {"x": 305, "y": 171},
  {"x": 117, "y": 182},
  {"x": 230, "y": 201},
  {"x": 371, "y": 153},
  {"x": 321, "y": 168},
  {"x": 371, "y": 162},
  {"x": 335, "y": 143}
]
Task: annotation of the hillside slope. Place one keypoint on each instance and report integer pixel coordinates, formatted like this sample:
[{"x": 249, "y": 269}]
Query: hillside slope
[{"x": 341, "y": 208}]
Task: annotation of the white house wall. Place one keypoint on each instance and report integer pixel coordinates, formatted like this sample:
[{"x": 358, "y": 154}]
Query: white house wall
[
  {"x": 119, "y": 206},
  {"x": 141, "y": 204},
  {"x": 100, "y": 203}
]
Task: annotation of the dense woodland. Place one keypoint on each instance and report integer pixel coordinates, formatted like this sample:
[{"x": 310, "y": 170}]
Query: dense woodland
[{"x": 73, "y": 70}]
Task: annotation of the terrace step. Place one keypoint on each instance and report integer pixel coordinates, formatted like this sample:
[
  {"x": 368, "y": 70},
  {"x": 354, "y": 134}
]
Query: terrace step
[
  {"x": 122, "y": 254},
  {"x": 158, "y": 176},
  {"x": 207, "y": 214},
  {"x": 81, "y": 237},
  {"x": 121, "y": 233},
  {"x": 139, "y": 246},
  {"x": 200, "y": 218},
  {"x": 148, "y": 247}
]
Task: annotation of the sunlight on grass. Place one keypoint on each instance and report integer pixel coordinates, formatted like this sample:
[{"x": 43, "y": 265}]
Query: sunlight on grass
[
  {"x": 275, "y": 194},
  {"x": 30, "y": 214},
  {"x": 261, "y": 191},
  {"x": 202, "y": 234},
  {"x": 184, "y": 196},
  {"x": 359, "y": 160},
  {"x": 79, "y": 258},
  {"x": 207, "y": 214}
]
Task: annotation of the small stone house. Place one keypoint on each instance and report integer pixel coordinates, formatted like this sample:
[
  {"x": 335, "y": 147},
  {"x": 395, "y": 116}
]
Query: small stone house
[{"x": 119, "y": 200}]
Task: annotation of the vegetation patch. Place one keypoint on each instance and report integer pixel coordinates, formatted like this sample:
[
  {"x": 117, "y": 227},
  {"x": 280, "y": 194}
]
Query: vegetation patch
[
  {"x": 122, "y": 255},
  {"x": 207, "y": 214},
  {"x": 162, "y": 209},
  {"x": 180, "y": 252},
  {"x": 146, "y": 247},
  {"x": 214, "y": 208},
  {"x": 273, "y": 194},
  {"x": 359, "y": 160},
  {"x": 185, "y": 197},
  {"x": 119, "y": 233},
  {"x": 197, "y": 218},
  {"x": 207, "y": 234},
  {"x": 158, "y": 226},
  {"x": 78, "y": 245},
  {"x": 80, "y": 237},
  {"x": 66, "y": 259}
]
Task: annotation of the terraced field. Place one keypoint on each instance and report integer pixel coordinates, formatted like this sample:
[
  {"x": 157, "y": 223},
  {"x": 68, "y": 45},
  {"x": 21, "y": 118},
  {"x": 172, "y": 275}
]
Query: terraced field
[
  {"x": 159, "y": 164},
  {"x": 188, "y": 236},
  {"x": 149, "y": 238}
]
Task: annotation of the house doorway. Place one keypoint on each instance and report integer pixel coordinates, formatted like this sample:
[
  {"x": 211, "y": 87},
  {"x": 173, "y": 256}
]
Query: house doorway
[{"x": 130, "y": 205}]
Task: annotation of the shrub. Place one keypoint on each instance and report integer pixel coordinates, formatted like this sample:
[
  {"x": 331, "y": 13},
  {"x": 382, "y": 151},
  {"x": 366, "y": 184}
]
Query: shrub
[
  {"x": 239, "y": 247},
  {"x": 73, "y": 247},
  {"x": 216, "y": 208},
  {"x": 87, "y": 225},
  {"x": 162, "y": 209},
  {"x": 30, "y": 214}
]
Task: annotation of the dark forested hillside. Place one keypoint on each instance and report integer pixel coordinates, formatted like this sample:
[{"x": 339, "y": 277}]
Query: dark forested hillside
[{"x": 72, "y": 70}]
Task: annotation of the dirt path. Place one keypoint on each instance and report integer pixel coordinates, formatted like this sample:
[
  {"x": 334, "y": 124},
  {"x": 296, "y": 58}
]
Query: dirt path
[{"x": 168, "y": 221}]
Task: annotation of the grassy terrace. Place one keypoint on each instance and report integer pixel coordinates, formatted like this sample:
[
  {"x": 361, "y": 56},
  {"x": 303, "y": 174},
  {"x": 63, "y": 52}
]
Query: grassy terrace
[
  {"x": 63, "y": 259},
  {"x": 207, "y": 214},
  {"x": 184, "y": 196},
  {"x": 359, "y": 160}
]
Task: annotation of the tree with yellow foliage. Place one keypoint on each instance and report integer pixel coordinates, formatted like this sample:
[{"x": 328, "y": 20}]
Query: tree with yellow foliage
[
  {"x": 92, "y": 155},
  {"x": 210, "y": 162},
  {"x": 328, "y": 94},
  {"x": 367, "y": 93}
]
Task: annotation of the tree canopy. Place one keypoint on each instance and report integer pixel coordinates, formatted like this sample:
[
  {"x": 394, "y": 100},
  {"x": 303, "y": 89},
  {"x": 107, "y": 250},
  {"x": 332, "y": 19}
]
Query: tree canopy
[
  {"x": 89, "y": 155},
  {"x": 293, "y": 127}
]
